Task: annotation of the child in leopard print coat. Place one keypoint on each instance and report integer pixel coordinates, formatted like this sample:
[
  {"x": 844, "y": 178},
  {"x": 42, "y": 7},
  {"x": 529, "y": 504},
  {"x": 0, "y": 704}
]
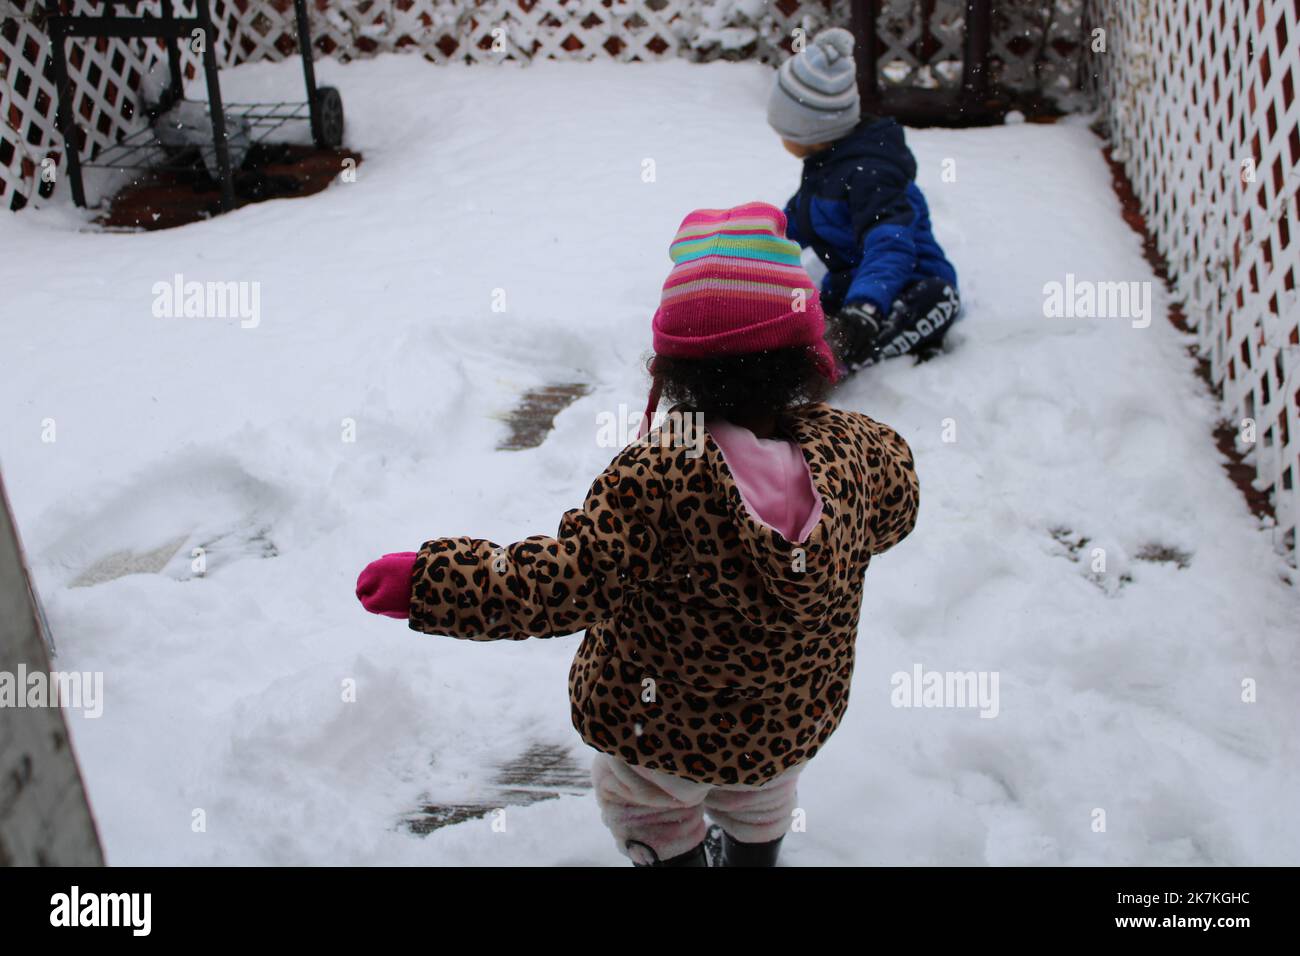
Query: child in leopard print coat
[{"x": 716, "y": 565}]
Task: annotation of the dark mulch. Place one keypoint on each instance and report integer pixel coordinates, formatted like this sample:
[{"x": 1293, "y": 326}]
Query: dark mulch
[
  {"x": 946, "y": 108},
  {"x": 175, "y": 197}
]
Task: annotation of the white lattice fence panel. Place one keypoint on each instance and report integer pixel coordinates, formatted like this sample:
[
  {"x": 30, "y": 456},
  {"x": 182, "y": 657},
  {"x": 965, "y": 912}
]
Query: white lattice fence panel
[
  {"x": 105, "y": 74},
  {"x": 495, "y": 30},
  {"x": 899, "y": 26},
  {"x": 921, "y": 46},
  {"x": 461, "y": 30},
  {"x": 27, "y": 104},
  {"x": 1201, "y": 105},
  {"x": 647, "y": 30},
  {"x": 753, "y": 29},
  {"x": 1037, "y": 46},
  {"x": 569, "y": 30}
]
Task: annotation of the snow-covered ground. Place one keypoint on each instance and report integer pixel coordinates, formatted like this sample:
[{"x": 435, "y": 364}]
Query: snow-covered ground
[{"x": 1119, "y": 691}]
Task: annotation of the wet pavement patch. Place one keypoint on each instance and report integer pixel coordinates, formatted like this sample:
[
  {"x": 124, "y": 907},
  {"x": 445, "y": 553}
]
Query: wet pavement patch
[
  {"x": 532, "y": 419},
  {"x": 542, "y": 772}
]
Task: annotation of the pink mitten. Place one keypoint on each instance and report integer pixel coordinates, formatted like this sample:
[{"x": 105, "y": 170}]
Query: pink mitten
[{"x": 384, "y": 587}]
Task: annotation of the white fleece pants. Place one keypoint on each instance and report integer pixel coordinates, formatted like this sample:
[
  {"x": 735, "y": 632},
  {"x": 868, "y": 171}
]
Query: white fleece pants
[{"x": 648, "y": 808}]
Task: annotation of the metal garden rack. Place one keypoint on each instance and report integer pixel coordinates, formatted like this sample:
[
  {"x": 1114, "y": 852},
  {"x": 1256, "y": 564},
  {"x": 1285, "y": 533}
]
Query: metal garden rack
[{"x": 323, "y": 107}]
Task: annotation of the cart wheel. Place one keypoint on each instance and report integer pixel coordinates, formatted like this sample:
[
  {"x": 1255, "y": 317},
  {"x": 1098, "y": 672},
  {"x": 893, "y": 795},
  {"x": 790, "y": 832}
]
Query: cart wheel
[{"x": 329, "y": 114}]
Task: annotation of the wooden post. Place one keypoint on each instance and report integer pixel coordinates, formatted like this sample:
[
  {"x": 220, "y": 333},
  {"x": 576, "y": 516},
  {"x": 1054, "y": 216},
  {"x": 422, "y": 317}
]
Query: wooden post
[{"x": 45, "y": 818}]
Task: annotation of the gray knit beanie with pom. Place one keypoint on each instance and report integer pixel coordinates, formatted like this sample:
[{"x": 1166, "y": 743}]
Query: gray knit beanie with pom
[{"x": 815, "y": 99}]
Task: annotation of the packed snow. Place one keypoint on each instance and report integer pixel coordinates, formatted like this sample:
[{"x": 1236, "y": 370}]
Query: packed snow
[{"x": 228, "y": 734}]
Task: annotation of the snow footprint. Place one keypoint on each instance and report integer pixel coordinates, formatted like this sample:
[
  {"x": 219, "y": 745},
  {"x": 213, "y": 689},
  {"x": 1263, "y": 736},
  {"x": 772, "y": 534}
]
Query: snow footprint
[
  {"x": 1108, "y": 568},
  {"x": 190, "y": 516}
]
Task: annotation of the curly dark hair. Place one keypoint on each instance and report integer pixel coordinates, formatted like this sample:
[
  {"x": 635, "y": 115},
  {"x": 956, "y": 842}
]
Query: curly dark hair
[{"x": 741, "y": 386}]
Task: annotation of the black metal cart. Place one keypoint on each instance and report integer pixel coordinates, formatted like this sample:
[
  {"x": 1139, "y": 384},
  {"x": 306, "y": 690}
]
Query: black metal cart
[{"x": 323, "y": 108}]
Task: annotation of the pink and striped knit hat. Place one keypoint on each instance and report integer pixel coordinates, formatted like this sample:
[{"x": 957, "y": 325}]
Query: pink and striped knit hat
[{"x": 736, "y": 287}]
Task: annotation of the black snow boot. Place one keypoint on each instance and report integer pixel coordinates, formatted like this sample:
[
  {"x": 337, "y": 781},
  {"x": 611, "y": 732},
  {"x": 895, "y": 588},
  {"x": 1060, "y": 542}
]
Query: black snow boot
[
  {"x": 735, "y": 853},
  {"x": 853, "y": 334},
  {"x": 695, "y": 857}
]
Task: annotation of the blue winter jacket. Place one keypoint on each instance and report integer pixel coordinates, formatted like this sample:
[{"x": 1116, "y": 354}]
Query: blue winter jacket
[{"x": 860, "y": 209}]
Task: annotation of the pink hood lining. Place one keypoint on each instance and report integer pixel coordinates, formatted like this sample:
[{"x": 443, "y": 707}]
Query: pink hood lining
[{"x": 773, "y": 478}]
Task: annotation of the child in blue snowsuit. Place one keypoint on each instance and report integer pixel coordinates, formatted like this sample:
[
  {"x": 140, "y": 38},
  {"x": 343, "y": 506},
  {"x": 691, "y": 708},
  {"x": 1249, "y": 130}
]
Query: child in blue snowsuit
[{"x": 889, "y": 288}]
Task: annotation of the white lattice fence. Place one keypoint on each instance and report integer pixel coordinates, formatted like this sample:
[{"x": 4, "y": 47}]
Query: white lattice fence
[
  {"x": 922, "y": 45},
  {"x": 1038, "y": 47},
  {"x": 1200, "y": 100},
  {"x": 106, "y": 73},
  {"x": 466, "y": 30},
  {"x": 494, "y": 30},
  {"x": 1035, "y": 48}
]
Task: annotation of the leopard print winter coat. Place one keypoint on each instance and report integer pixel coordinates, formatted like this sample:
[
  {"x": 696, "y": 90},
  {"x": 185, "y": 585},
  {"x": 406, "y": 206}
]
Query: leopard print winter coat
[{"x": 715, "y": 649}]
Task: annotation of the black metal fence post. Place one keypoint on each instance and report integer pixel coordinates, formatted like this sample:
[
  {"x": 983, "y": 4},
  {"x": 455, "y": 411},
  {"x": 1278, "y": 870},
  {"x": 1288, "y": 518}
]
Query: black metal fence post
[
  {"x": 975, "y": 54},
  {"x": 219, "y": 138},
  {"x": 864, "y": 16},
  {"x": 64, "y": 110}
]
